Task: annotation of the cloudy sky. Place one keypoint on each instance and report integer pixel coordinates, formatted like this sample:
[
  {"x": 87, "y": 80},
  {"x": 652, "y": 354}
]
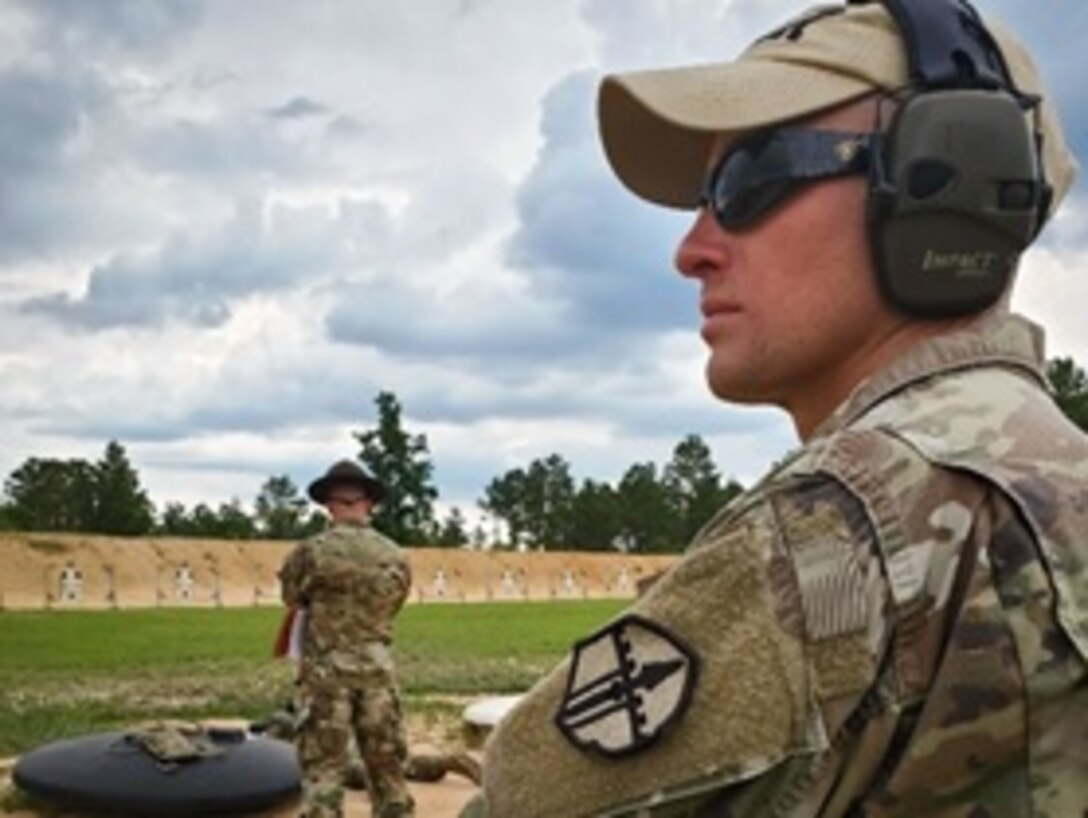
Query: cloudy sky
[{"x": 226, "y": 226}]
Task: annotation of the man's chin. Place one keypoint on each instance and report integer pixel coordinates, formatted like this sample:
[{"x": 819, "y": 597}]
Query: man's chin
[
  {"x": 732, "y": 383},
  {"x": 735, "y": 390}
]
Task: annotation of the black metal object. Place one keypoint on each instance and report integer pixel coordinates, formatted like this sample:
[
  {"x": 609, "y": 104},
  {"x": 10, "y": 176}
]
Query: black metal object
[{"x": 106, "y": 773}]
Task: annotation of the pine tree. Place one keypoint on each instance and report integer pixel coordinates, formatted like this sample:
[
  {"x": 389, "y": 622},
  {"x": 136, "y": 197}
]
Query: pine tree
[
  {"x": 452, "y": 533},
  {"x": 694, "y": 486},
  {"x": 1070, "y": 389},
  {"x": 52, "y": 495},
  {"x": 121, "y": 505},
  {"x": 648, "y": 521},
  {"x": 401, "y": 461},
  {"x": 280, "y": 508}
]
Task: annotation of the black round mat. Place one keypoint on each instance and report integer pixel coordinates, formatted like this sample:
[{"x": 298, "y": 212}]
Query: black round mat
[{"x": 107, "y": 773}]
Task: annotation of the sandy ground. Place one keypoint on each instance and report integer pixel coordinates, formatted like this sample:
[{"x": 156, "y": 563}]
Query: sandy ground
[{"x": 443, "y": 799}]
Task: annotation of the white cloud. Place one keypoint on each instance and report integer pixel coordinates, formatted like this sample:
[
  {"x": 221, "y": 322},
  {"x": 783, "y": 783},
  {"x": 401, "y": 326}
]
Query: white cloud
[
  {"x": 1052, "y": 287},
  {"x": 227, "y": 226}
]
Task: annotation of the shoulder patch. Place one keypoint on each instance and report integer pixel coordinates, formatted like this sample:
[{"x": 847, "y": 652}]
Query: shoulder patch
[{"x": 628, "y": 683}]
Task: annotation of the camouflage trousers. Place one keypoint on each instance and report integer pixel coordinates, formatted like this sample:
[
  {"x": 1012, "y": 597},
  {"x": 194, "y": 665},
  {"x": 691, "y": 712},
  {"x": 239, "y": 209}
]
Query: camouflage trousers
[{"x": 330, "y": 715}]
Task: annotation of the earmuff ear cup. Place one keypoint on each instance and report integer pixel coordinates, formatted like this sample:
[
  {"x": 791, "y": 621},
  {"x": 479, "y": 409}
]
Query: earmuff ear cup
[{"x": 954, "y": 198}]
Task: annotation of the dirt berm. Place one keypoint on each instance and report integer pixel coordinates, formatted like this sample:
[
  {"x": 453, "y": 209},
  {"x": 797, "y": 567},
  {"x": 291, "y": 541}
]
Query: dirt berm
[{"x": 47, "y": 571}]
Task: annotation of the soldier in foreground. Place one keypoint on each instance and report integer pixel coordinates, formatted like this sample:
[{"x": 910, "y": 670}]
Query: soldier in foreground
[
  {"x": 894, "y": 621},
  {"x": 351, "y": 582}
]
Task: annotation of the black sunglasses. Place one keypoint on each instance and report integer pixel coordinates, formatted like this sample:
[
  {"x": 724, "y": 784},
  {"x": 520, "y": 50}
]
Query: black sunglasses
[{"x": 763, "y": 170}]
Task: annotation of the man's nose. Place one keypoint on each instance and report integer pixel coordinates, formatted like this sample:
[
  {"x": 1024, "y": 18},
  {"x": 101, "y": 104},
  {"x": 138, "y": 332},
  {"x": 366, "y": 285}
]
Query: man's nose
[{"x": 704, "y": 248}]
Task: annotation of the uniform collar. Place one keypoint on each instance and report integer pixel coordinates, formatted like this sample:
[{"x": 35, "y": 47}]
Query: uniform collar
[{"x": 999, "y": 340}]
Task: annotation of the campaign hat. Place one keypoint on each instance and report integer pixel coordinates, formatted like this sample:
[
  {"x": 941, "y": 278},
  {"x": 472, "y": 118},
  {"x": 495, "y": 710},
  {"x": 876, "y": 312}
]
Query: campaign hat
[{"x": 346, "y": 473}]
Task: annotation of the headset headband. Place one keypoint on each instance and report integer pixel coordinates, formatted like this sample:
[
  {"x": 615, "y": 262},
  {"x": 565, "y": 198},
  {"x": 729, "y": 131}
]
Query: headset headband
[{"x": 948, "y": 45}]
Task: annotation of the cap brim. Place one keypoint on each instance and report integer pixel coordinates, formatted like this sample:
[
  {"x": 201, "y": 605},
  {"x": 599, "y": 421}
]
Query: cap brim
[{"x": 657, "y": 127}]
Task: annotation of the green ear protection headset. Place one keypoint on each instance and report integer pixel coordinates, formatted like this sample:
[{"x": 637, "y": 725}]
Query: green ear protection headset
[{"x": 957, "y": 189}]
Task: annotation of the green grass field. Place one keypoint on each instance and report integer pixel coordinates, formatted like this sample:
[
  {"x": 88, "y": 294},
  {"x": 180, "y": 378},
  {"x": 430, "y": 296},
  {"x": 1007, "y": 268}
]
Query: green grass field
[{"x": 69, "y": 673}]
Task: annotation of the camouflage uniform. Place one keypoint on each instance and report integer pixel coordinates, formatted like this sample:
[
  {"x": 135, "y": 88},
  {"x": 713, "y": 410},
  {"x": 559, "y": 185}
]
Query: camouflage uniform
[
  {"x": 352, "y": 581},
  {"x": 894, "y": 622}
]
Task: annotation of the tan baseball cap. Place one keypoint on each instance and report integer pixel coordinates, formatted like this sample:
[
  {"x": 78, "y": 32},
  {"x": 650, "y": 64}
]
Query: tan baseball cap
[{"x": 658, "y": 126}]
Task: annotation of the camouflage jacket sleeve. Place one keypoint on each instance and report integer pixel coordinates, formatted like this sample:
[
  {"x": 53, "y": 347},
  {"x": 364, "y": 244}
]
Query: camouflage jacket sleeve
[
  {"x": 727, "y": 677},
  {"x": 399, "y": 577},
  {"x": 295, "y": 574}
]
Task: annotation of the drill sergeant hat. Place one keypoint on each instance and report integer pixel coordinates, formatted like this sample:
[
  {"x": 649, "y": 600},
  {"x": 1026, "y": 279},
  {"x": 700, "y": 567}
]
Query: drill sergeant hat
[{"x": 346, "y": 473}]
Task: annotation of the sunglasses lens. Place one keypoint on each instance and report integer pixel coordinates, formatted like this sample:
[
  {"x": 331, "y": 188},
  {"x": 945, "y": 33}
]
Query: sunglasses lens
[
  {"x": 750, "y": 204},
  {"x": 764, "y": 170}
]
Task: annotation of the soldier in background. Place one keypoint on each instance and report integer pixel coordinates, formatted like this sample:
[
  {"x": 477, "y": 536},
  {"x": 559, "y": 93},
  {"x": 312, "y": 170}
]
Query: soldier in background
[
  {"x": 350, "y": 581},
  {"x": 894, "y": 621}
]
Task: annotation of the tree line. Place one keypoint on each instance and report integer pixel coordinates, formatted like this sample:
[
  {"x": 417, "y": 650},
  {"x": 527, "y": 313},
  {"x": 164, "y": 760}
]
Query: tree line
[
  {"x": 650, "y": 509},
  {"x": 538, "y": 506}
]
